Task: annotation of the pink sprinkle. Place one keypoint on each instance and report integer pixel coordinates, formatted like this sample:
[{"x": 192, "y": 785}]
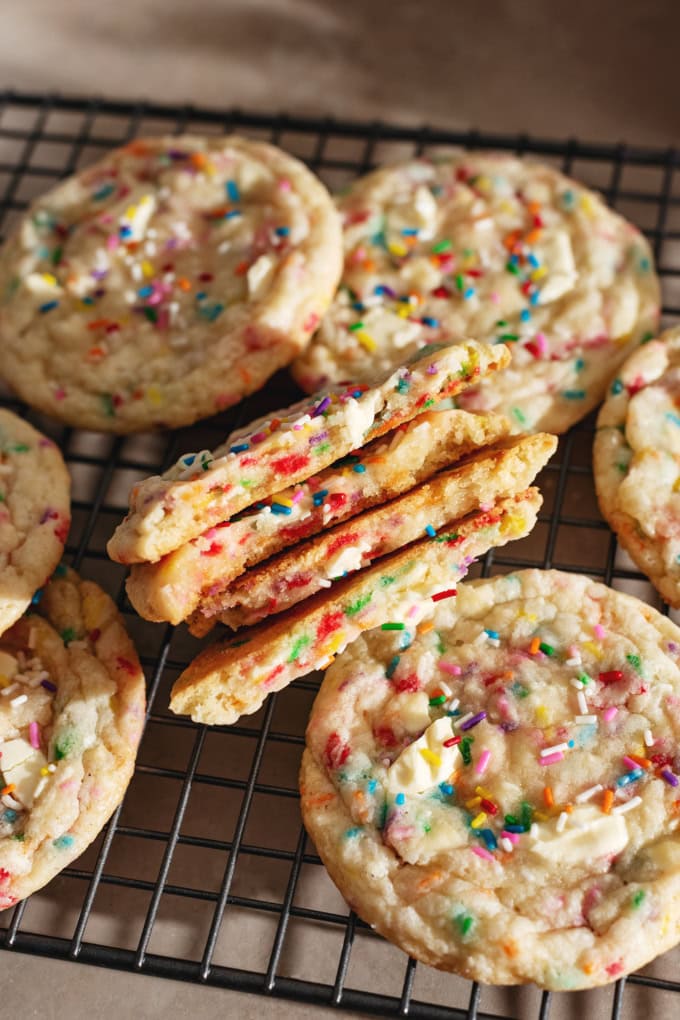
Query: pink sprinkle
[
  {"x": 284, "y": 184},
  {"x": 599, "y": 631},
  {"x": 484, "y": 759},
  {"x": 550, "y": 759},
  {"x": 629, "y": 763},
  {"x": 412, "y": 611},
  {"x": 512, "y": 836},
  {"x": 450, "y": 667},
  {"x": 481, "y": 852},
  {"x": 297, "y": 496},
  {"x": 34, "y": 735},
  {"x": 60, "y": 393},
  {"x": 494, "y": 297},
  {"x": 112, "y": 242},
  {"x": 610, "y": 713}
]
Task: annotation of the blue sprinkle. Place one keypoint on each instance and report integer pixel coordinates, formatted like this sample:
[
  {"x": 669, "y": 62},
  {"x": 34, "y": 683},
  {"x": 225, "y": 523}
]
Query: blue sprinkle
[
  {"x": 427, "y": 320},
  {"x": 574, "y": 394},
  {"x": 525, "y": 315},
  {"x": 469, "y": 293},
  {"x": 489, "y": 838},
  {"x": 201, "y": 295},
  {"x": 429, "y": 530},
  {"x": 353, "y": 832},
  {"x": 36, "y": 598},
  {"x": 319, "y": 497},
  {"x": 279, "y": 508},
  {"x": 10, "y": 816},
  {"x": 63, "y": 842},
  {"x": 146, "y": 291},
  {"x": 358, "y": 306},
  {"x": 568, "y": 199},
  {"x": 103, "y": 192},
  {"x": 188, "y": 459},
  {"x": 514, "y": 260},
  {"x": 231, "y": 213},
  {"x": 359, "y": 468},
  {"x": 356, "y": 394},
  {"x": 446, "y": 789},
  {"x": 372, "y": 785},
  {"x": 570, "y": 743},
  {"x": 239, "y": 448},
  {"x": 232, "y": 191},
  {"x": 48, "y": 306},
  {"x": 400, "y": 799},
  {"x": 534, "y": 297},
  {"x": 282, "y": 231},
  {"x": 673, "y": 417},
  {"x": 514, "y": 828},
  {"x": 579, "y": 365},
  {"x": 533, "y": 261},
  {"x": 630, "y": 777},
  {"x": 617, "y": 387},
  {"x": 410, "y": 231},
  {"x": 125, "y": 231},
  {"x": 644, "y": 264},
  {"x": 493, "y": 634},
  {"x": 406, "y": 640},
  {"x": 87, "y": 300},
  {"x": 392, "y": 667}
]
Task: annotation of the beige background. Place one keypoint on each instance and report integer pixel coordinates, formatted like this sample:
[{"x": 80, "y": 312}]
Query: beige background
[{"x": 599, "y": 70}]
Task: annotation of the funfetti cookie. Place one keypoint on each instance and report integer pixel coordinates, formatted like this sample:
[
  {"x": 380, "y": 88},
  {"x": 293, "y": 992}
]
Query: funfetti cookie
[
  {"x": 71, "y": 715},
  {"x": 165, "y": 282},
  {"x": 204, "y": 489},
  {"x": 233, "y": 678},
  {"x": 287, "y": 579},
  {"x": 498, "y": 248},
  {"x": 172, "y": 588},
  {"x": 636, "y": 460},
  {"x": 34, "y": 513},
  {"x": 500, "y": 798}
]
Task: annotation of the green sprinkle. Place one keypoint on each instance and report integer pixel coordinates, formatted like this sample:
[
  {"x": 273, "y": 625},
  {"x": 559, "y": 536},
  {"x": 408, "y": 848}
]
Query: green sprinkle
[
  {"x": 351, "y": 833},
  {"x": 19, "y": 837},
  {"x": 465, "y": 751},
  {"x": 392, "y": 667},
  {"x": 441, "y": 246},
  {"x": 298, "y": 646},
  {"x": 508, "y": 338},
  {"x": 516, "y": 413},
  {"x": 464, "y": 923},
  {"x": 637, "y": 898},
  {"x": 519, "y": 690},
  {"x": 355, "y": 607},
  {"x": 460, "y": 281},
  {"x": 355, "y": 326},
  {"x": 55, "y": 257},
  {"x": 107, "y": 401},
  {"x": 574, "y": 394},
  {"x": 527, "y": 813},
  {"x": 512, "y": 268},
  {"x": 68, "y": 635},
  {"x": 439, "y": 700},
  {"x": 584, "y": 679},
  {"x": 623, "y": 468},
  {"x": 428, "y": 403},
  {"x": 647, "y": 337},
  {"x": 441, "y": 647},
  {"x": 382, "y": 816},
  {"x": 402, "y": 386},
  {"x": 63, "y": 746},
  {"x": 386, "y": 581},
  {"x": 60, "y": 571},
  {"x": 151, "y": 314},
  {"x": 392, "y": 626},
  {"x": 636, "y": 662},
  {"x": 546, "y": 649}
]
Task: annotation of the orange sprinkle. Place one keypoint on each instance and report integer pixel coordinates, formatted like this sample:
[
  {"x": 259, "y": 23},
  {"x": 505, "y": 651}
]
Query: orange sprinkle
[
  {"x": 369, "y": 265},
  {"x": 138, "y": 147},
  {"x": 644, "y": 763},
  {"x": 242, "y": 268},
  {"x": 508, "y": 675},
  {"x": 568, "y": 808},
  {"x": 359, "y": 795},
  {"x": 199, "y": 159},
  {"x": 548, "y": 796},
  {"x": 274, "y": 424},
  {"x": 183, "y": 283},
  {"x": 510, "y": 240},
  {"x": 675, "y": 806},
  {"x": 428, "y": 881},
  {"x": 607, "y": 801},
  {"x": 535, "y": 645},
  {"x": 425, "y": 627},
  {"x": 534, "y": 208},
  {"x": 533, "y": 236},
  {"x": 97, "y": 323},
  {"x": 510, "y": 948},
  {"x": 95, "y": 353},
  {"x": 588, "y": 968},
  {"x": 10, "y": 788},
  {"x": 320, "y": 798}
]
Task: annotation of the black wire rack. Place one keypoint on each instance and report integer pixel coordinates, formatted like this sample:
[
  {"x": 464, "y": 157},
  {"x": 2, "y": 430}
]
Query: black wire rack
[{"x": 205, "y": 873}]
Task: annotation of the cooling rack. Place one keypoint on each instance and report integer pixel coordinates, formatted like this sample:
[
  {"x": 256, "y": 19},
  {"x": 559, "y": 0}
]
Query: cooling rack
[{"x": 205, "y": 873}]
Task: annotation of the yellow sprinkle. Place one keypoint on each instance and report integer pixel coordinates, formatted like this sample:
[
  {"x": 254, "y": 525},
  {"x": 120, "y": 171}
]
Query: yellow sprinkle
[
  {"x": 483, "y": 792},
  {"x": 404, "y": 311},
  {"x": 543, "y": 715},
  {"x": 396, "y": 248},
  {"x": 540, "y": 816},
  {"x": 623, "y": 339},
  {"x": 285, "y": 502},
  {"x": 478, "y": 822},
  {"x": 430, "y": 757},
  {"x": 147, "y": 269},
  {"x": 130, "y": 212},
  {"x": 473, "y": 802},
  {"x": 331, "y": 647},
  {"x": 594, "y": 649},
  {"x": 49, "y": 279},
  {"x": 154, "y": 395},
  {"x": 587, "y": 204},
  {"x": 44, "y": 771},
  {"x": 507, "y": 206},
  {"x": 538, "y": 274},
  {"x": 4, "y": 681},
  {"x": 145, "y": 200},
  {"x": 366, "y": 340},
  {"x": 676, "y": 484},
  {"x": 513, "y": 524}
]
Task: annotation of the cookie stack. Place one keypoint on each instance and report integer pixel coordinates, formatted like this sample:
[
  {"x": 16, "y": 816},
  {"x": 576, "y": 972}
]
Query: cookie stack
[
  {"x": 373, "y": 520},
  {"x": 71, "y": 687}
]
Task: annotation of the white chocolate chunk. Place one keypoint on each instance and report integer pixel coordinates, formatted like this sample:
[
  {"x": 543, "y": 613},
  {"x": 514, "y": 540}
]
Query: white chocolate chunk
[
  {"x": 412, "y": 710},
  {"x": 259, "y": 273},
  {"x": 21, "y": 765},
  {"x": 590, "y": 834},
  {"x": 426, "y": 762},
  {"x": 665, "y": 854},
  {"x": 559, "y": 258}
]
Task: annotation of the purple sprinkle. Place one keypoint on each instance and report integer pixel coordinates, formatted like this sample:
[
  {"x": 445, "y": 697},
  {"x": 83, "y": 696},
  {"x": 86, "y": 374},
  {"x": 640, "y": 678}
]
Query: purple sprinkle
[
  {"x": 318, "y": 439},
  {"x": 321, "y": 407},
  {"x": 48, "y": 514},
  {"x": 673, "y": 647},
  {"x": 99, "y": 274},
  {"x": 670, "y": 777},
  {"x": 432, "y": 369},
  {"x": 47, "y": 685},
  {"x": 509, "y": 727},
  {"x": 473, "y": 722}
]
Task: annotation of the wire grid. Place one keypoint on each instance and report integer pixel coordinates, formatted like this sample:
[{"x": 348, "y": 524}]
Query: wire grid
[{"x": 205, "y": 872}]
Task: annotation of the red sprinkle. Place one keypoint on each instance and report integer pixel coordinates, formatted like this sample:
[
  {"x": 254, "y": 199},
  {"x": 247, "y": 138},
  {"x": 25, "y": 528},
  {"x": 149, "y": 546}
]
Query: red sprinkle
[
  {"x": 611, "y": 676},
  {"x": 448, "y": 594},
  {"x": 337, "y": 752},
  {"x": 452, "y": 741}
]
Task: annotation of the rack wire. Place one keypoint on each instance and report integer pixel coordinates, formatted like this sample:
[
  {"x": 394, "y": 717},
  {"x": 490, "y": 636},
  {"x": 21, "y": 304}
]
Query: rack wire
[{"x": 205, "y": 873}]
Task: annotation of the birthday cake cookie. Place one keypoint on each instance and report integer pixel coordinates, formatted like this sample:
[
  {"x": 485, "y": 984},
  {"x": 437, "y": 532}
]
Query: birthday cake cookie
[
  {"x": 499, "y": 795},
  {"x": 233, "y": 678},
  {"x": 207, "y": 488},
  {"x": 636, "y": 461},
  {"x": 71, "y": 714},
  {"x": 500, "y": 249},
  {"x": 34, "y": 513},
  {"x": 165, "y": 282}
]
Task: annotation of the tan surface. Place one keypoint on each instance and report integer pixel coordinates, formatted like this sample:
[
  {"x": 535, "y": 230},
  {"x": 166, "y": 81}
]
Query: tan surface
[{"x": 549, "y": 69}]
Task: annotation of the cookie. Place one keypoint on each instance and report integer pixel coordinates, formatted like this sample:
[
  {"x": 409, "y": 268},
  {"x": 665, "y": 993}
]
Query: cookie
[
  {"x": 71, "y": 715},
  {"x": 636, "y": 461},
  {"x": 233, "y": 678},
  {"x": 308, "y": 567},
  {"x": 172, "y": 588},
  {"x": 203, "y": 489},
  {"x": 501, "y": 797},
  {"x": 166, "y": 282},
  {"x": 35, "y": 513},
  {"x": 498, "y": 248}
]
